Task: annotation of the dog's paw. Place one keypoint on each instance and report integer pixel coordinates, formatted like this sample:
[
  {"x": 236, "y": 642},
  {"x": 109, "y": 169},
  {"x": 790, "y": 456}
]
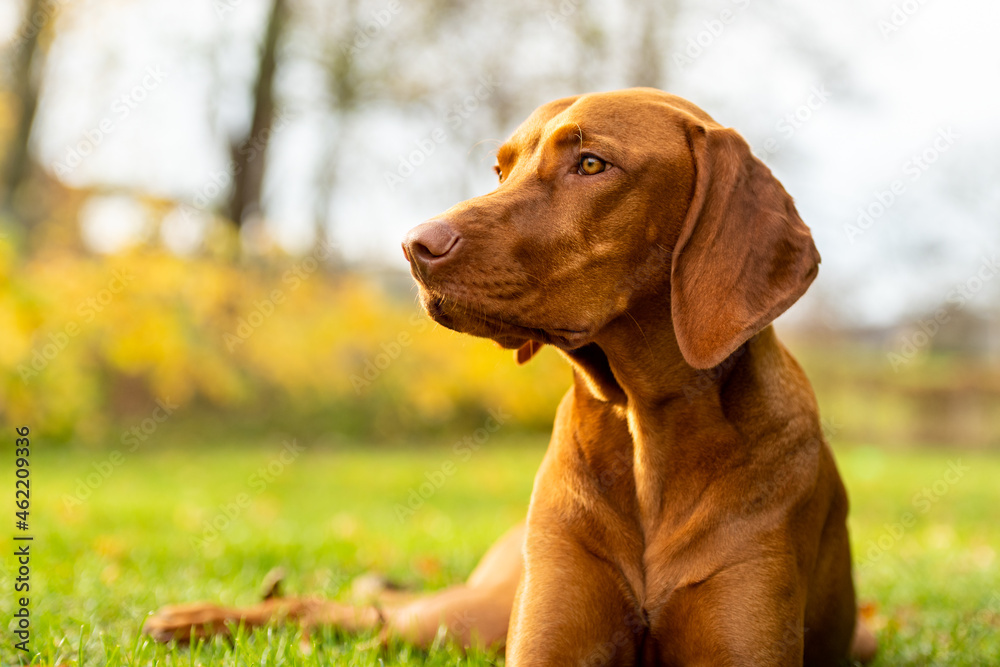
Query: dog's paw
[{"x": 190, "y": 621}]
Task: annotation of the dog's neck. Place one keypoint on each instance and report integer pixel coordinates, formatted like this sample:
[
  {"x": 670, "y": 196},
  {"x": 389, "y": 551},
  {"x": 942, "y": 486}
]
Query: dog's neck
[
  {"x": 636, "y": 363},
  {"x": 674, "y": 412}
]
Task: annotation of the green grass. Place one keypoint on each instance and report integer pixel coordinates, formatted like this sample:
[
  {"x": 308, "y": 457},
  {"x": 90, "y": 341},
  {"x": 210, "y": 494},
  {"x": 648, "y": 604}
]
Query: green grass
[{"x": 100, "y": 566}]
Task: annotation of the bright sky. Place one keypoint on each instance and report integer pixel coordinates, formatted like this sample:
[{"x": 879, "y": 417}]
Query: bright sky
[{"x": 852, "y": 108}]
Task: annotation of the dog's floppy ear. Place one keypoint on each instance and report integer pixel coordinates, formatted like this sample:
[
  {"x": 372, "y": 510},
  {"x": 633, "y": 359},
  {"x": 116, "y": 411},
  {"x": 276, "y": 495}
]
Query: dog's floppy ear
[
  {"x": 524, "y": 353},
  {"x": 743, "y": 255}
]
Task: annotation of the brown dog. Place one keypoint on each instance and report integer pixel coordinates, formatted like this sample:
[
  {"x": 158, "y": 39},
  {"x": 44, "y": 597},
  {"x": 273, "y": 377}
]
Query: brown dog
[{"x": 688, "y": 510}]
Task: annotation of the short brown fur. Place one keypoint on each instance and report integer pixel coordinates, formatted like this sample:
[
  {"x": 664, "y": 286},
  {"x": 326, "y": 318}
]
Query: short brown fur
[{"x": 688, "y": 510}]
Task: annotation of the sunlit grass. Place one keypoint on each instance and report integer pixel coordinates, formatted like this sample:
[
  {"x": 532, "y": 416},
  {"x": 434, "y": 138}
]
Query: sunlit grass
[{"x": 141, "y": 540}]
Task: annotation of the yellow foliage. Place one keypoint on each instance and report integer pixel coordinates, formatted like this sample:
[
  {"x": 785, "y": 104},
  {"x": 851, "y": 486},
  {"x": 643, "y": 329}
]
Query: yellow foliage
[{"x": 87, "y": 340}]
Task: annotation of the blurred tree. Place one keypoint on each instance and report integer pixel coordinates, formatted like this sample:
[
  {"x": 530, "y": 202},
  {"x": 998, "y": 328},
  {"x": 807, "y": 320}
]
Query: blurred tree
[
  {"x": 249, "y": 152},
  {"x": 341, "y": 96},
  {"x": 362, "y": 67},
  {"x": 25, "y": 85},
  {"x": 654, "y": 33}
]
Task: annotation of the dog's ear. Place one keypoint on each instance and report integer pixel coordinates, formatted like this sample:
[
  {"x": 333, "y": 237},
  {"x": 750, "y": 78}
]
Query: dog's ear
[
  {"x": 743, "y": 255},
  {"x": 524, "y": 353}
]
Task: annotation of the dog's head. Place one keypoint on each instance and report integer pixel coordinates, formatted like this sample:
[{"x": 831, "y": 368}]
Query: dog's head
[{"x": 612, "y": 202}]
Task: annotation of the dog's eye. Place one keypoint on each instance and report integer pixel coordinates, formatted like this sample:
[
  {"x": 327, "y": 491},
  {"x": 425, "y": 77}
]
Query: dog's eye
[{"x": 590, "y": 165}]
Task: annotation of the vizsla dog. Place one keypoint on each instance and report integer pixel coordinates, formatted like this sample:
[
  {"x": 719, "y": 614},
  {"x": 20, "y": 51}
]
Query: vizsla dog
[{"x": 688, "y": 510}]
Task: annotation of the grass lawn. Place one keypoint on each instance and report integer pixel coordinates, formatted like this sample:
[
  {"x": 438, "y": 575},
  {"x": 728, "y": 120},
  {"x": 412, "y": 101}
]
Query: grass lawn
[{"x": 142, "y": 538}]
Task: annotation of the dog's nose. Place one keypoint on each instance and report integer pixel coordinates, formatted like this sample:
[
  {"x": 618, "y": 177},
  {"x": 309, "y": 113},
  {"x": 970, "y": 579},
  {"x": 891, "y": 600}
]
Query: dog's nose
[{"x": 430, "y": 243}]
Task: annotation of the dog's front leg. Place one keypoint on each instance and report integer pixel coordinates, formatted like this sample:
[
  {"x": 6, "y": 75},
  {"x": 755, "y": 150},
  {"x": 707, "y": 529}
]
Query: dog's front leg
[{"x": 573, "y": 606}]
